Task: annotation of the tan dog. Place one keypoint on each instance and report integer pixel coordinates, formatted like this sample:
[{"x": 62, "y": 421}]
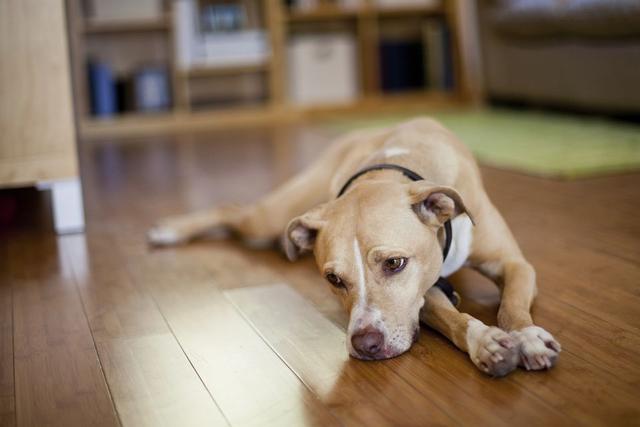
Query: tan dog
[{"x": 380, "y": 244}]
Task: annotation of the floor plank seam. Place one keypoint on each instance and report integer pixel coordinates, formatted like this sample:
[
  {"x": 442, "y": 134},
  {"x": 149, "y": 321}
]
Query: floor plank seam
[
  {"x": 626, "y": 327},
  {"x": 631, "y": 261},
  {"x": 279, "y": 356},
  {"x": 145, "y": 290},
  {"x": 68, "y": 259},
  {"x": 605, "y": 371}
]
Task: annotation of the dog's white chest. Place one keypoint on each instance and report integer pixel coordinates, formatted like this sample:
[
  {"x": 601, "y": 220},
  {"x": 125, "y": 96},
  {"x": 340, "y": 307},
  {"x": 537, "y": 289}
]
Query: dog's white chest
[{"x": 460, "y": 245}]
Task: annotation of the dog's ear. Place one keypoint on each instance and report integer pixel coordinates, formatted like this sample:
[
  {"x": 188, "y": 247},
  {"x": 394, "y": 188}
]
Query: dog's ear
[
  {"x": 436, "y": 204},
  {"x": 300, "y": 234}
]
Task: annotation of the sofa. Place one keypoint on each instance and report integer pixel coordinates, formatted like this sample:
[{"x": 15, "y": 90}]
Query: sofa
[{"x": 576, "y": 54}]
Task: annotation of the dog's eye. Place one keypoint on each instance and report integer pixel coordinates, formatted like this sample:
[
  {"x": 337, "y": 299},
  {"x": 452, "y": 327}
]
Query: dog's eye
[
  {"x": 394, "y": 265},
  {"x": 334, "y": 280}
]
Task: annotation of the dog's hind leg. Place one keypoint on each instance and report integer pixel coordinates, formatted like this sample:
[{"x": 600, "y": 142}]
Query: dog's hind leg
[
  {"x": 179, "y": 229},
  {"x": 491, "y": 349},
  {"x": 260, "y": 222}
]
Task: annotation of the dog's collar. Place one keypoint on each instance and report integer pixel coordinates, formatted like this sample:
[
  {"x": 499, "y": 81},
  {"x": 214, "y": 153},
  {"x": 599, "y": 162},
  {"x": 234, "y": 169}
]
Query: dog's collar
[
  {"x": 448, "y": 232},
  {"x": 380, "y": 166}
]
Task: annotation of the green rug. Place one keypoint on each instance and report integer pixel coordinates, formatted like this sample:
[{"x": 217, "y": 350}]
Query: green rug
[{"x": 544, "y": 144}]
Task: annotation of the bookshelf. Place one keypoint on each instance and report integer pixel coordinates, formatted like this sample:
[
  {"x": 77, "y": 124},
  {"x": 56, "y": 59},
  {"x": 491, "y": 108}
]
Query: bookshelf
[{"x": 366, "y": 23}]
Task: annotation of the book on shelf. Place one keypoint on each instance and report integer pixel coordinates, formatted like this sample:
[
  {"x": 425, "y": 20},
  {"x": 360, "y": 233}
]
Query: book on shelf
[
  {"x": 401, "y": 64},
  {"x": 145, "y": 89},
  {"x": 216, "y": 36},
  {"x": 437, "y": 55},
  {"x": 222, "y": 17},
  {"x": 151, "y": 89},
  {"x": 102, "y": 90}
]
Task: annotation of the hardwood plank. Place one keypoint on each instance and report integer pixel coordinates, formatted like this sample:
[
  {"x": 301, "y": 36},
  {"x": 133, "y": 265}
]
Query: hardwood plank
[
  {"x": 562, "y": 207},
  {"x": 58, "y": 378},
  {"x": 618, "y": 349},
  {"x": 7, "y": 397},
  {"x": 151, "y": 380},
  {"x": 251, "y": 385},
  {"x": 576, "y": 389},
  {"x": 600, "y": 284},
  {"x": 152, "y": 385}
]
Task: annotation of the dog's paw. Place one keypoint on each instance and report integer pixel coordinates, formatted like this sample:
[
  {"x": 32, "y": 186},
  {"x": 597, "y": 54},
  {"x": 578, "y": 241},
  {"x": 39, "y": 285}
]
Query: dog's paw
[
  {"x": 164, "y": 235},
  {"x": 538, "y": 349},
  {"x": 492, "y": 350}
]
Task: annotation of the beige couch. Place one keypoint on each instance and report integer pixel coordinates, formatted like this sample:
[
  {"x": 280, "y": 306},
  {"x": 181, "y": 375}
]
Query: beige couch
[{"x": 582, "y": 54}]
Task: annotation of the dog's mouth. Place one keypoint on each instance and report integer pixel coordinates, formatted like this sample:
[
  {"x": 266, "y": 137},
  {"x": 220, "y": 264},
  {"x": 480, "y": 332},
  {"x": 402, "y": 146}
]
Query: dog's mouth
[{"x": 382, "y": 355}]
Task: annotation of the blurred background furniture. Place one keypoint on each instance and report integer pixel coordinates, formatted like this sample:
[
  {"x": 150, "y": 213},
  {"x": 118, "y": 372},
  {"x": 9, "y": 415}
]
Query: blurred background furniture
[
  {"x": 580, "y": 54},
  {"x": 219, "y": 62},
  {"x": 38, "y": 143}
]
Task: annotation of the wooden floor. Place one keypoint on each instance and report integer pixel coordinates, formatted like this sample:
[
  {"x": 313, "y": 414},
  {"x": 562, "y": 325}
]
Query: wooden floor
[{"x": 99, "y": 329}]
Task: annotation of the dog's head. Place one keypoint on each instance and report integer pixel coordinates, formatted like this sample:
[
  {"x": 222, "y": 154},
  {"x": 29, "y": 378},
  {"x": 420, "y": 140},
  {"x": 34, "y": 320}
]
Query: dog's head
[{"x": 378, "y": 247}]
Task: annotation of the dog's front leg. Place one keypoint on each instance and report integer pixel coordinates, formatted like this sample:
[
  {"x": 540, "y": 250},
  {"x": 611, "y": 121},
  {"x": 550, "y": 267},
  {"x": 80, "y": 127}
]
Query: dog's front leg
[
  {"x": 496, "y": 254},
  {"x": 491, "y": 349},
  {"x": 517, "y": 279}
]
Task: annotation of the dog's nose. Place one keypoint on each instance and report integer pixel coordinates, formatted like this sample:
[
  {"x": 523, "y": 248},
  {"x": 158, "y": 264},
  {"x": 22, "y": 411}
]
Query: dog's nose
[{"x": 368, "y": 341}]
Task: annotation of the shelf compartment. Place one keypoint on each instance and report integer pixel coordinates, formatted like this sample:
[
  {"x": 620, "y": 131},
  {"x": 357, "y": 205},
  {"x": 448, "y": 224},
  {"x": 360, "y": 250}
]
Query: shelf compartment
[{"x": 225, "y": 70}]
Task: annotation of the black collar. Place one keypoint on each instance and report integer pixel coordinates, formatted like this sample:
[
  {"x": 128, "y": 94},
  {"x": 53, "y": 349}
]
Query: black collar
[{"x": 448, "y": 232}]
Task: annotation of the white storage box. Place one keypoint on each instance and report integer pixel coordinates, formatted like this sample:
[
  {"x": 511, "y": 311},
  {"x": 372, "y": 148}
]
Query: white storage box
[
  {"x": 322, "y": 69},
  {"x": 234, "y": 48},
  {"x": 126, "y": 10}
]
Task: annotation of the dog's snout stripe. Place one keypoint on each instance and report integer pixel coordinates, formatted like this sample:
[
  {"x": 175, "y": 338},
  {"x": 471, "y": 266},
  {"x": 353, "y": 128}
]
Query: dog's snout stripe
[{"x": 360, "y": 269}]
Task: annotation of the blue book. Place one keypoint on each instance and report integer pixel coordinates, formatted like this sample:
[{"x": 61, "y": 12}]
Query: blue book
[
  {"x": 102, "y": 86},
  {"x": 438, "y": 55},
  {"x": 401, "y": 65}
]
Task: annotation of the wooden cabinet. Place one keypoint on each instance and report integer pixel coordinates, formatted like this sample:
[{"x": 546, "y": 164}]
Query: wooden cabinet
[{"x": 37, "y": 130}]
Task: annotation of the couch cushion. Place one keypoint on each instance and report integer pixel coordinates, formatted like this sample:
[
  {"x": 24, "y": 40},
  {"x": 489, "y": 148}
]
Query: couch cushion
[{"x": 569, "y": 18}]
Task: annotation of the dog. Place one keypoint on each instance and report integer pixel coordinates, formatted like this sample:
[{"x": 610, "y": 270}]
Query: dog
[{"x": 387, "y": 213}]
